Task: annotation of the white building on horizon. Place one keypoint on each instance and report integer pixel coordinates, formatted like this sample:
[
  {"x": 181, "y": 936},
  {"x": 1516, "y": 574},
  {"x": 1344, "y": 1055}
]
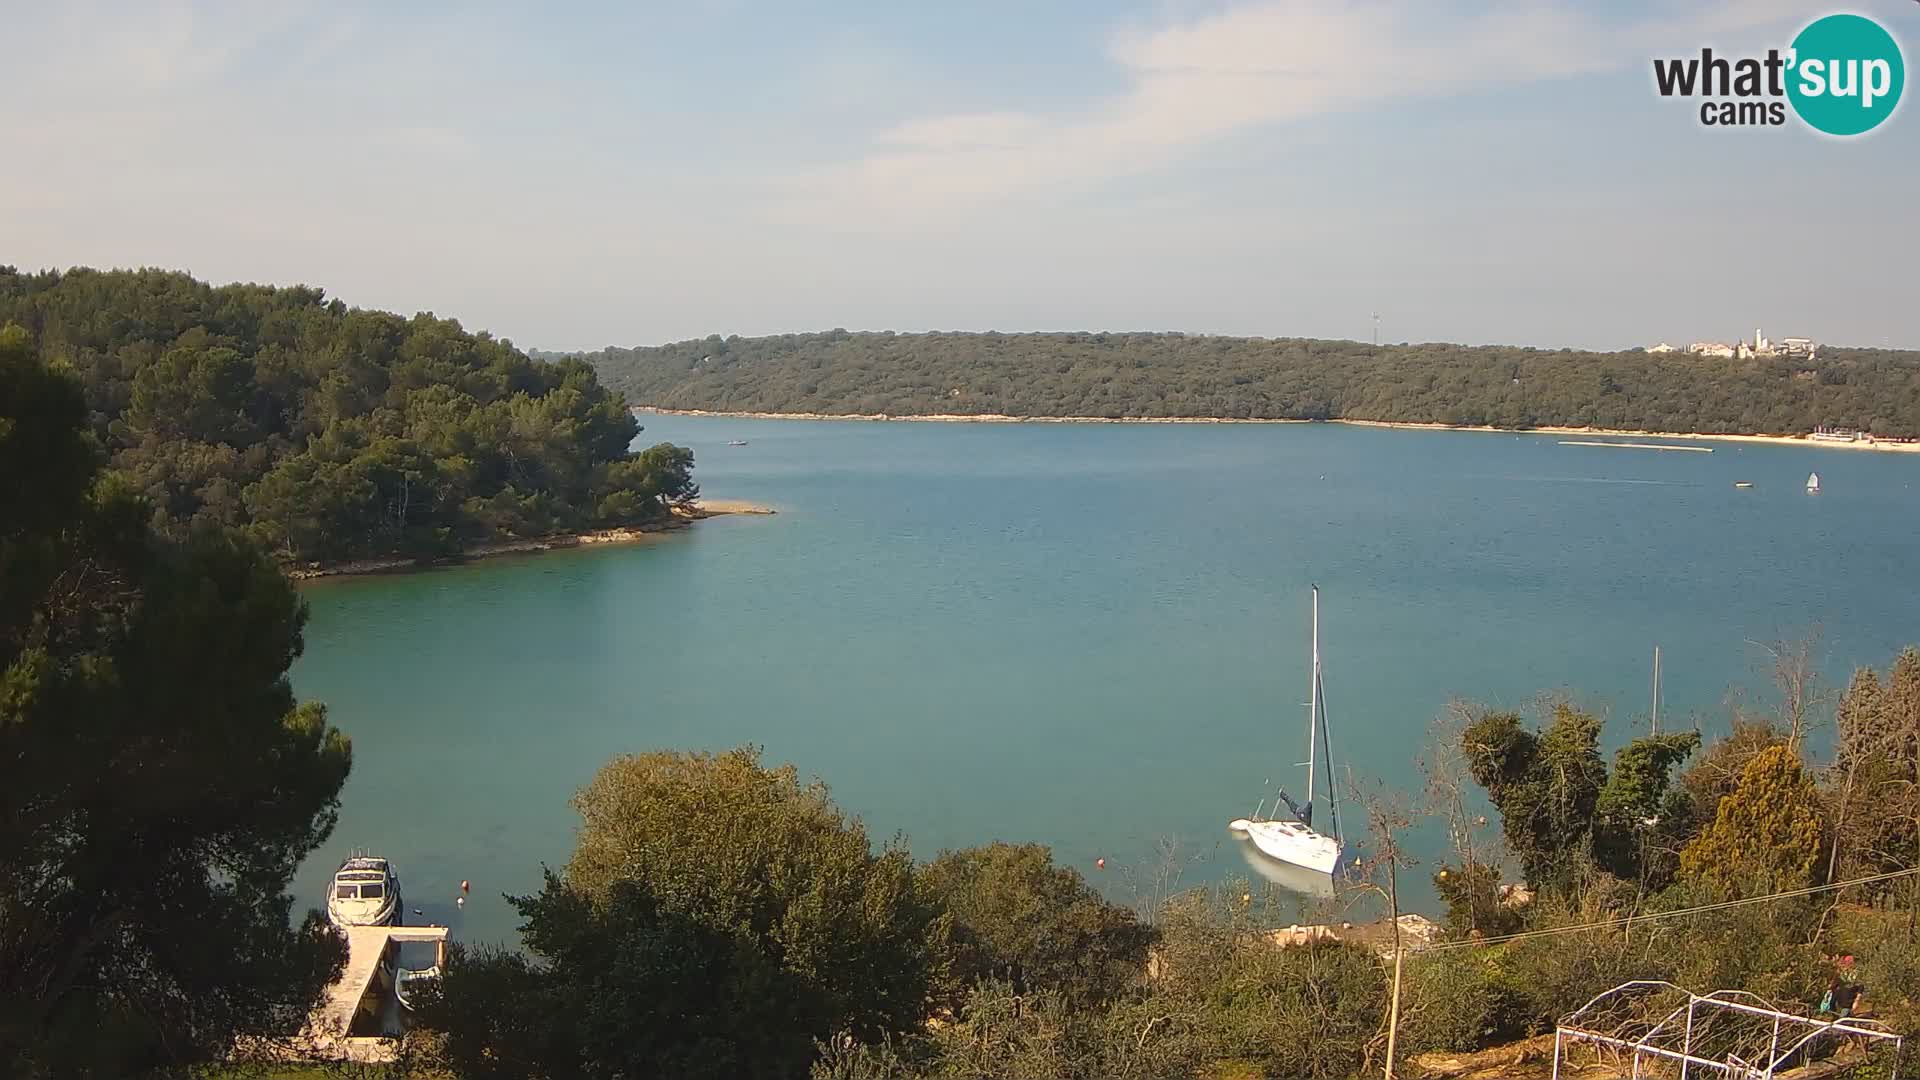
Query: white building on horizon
[
  {"x": 1711, "y": 348},
  {"x": 1761, "y": 345}
]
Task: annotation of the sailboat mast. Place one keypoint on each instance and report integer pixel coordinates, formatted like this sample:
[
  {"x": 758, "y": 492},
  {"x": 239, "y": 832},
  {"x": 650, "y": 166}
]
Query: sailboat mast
[
  {"x": 1656, "y": 689},
  {"x": 1326, "y": 747},
  {"x": 1313, "y": 700}
]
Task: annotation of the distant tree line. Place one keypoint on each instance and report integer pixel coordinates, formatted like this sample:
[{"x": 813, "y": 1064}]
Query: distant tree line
[
  {"x": 1165, "y": 375},
  {"x": 330, "y": 432}
]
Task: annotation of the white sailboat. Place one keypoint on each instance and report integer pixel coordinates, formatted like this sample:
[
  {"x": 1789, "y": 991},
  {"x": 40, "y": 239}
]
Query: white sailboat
[
  {"x": 1296, "y": 842},
  {"x": 1813, "y": 483}
]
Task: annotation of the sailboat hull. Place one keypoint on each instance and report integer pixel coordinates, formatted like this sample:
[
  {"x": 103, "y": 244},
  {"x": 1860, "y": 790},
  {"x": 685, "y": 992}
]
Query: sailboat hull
[
  {"x": 1295, "y": 879},
  {"x": 1293, "y": 843}
]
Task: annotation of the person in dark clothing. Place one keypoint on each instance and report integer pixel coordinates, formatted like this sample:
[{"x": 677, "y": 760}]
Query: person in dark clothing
[{"x": 1843, "y": 994}]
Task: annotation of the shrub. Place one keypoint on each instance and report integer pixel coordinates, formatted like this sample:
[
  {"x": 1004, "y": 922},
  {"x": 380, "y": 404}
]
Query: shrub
[
  {"x": 1461, "y": 1001},
  {"x": 1020, "y": 918}
]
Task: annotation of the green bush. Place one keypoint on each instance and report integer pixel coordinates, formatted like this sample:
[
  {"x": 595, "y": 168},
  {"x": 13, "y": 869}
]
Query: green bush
[
  {"x": 1041, "y": 927},
  {"x": 1305, "y": 1011},
  {"x": 1461, "y": 1001},
  {"x": 1560, "y": 973},
  {"x": 1762, "y": 949}
]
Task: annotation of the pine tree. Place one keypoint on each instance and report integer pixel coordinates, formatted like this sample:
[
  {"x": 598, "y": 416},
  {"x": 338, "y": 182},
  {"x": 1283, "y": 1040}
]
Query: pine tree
[{"x": 1765, "y": 836}]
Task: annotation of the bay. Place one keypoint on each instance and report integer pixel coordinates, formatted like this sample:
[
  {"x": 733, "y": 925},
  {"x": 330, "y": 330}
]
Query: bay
[{"x": 1093, "y": 636}]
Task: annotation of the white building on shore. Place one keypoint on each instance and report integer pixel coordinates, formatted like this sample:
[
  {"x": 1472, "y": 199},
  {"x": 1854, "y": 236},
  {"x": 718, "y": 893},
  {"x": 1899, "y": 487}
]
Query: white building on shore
[{"x": 1761, "y": 345}]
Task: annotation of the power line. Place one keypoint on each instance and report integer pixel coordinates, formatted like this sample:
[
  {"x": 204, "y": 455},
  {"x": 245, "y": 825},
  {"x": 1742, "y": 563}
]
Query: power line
[{"x": 1676, "y": 913}]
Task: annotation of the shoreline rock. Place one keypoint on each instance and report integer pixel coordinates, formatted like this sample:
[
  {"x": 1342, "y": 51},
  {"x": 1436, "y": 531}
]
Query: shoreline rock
[{"x": 681, "y": 518}]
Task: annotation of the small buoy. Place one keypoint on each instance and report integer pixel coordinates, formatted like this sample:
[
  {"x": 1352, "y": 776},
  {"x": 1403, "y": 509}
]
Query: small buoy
[
  {"x": 463, "y": 885},
  {"x": 459, "y": 901},
  {"x": 417, "y": 911},
  {"x": 1101, "y": 863}
]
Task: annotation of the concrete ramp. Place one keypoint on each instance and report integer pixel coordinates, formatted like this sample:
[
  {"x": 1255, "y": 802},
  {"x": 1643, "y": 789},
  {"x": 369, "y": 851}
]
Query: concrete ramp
[{"x": 359, "y": 989}]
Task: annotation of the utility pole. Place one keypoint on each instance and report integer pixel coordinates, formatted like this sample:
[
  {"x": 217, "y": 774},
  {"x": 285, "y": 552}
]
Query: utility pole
[
  {"x": 1387, "y": 817},
  {"x": 1393, "y": 1010}
]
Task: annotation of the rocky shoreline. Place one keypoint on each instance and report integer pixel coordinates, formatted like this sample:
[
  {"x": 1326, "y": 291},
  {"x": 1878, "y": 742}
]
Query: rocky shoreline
[{"x": 626, "y": 534}]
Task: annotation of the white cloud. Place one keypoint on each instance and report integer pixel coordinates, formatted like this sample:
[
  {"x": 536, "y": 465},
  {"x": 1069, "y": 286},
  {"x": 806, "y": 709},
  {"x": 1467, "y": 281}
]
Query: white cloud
[
  {"x": 1205, "y": 77},
  {"x": 466, "y": 164}
]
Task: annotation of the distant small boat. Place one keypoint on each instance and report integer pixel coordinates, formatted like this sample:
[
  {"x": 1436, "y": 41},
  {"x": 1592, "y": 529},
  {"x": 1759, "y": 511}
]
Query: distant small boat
[
  {"x": 737, "y": 442},
  {"x": 1813, "y": 483},
  {"x": 1743, "y": 483}
]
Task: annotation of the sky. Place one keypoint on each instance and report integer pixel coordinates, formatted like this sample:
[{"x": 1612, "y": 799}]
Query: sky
[{"x": 576, "y": 175}]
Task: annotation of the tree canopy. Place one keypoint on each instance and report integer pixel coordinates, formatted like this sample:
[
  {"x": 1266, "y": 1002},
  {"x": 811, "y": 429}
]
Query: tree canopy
[
  {"x": 1766, "y": 835},
  {"x": 158, "y": 782},
  {"x": 331, "y": 432},
  {"x": 707, "y": 926},
  {"x": 738, "y": 903},
  {"x": 1136, "y": 375},
  {"x": 1878, "y": 765},
  {"x": 1559, "y": 805},
  {"x": 1020, "y": 918}
]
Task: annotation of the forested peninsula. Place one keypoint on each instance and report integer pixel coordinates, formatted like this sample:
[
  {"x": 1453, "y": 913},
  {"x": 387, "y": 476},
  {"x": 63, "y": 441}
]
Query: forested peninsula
[
  {"x": 1151, "y": 376},
  {"x": 336, "y": 434}
]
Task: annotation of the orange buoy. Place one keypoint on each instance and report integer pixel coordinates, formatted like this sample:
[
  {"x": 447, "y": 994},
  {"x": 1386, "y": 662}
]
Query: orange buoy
[
  {"x": 463, "y": 885},
  {"x": 1101, "y": 863}
]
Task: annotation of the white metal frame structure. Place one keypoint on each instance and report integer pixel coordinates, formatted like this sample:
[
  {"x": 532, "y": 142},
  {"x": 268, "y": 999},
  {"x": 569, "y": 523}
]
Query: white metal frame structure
[{"x": 1661, "y": 1030}]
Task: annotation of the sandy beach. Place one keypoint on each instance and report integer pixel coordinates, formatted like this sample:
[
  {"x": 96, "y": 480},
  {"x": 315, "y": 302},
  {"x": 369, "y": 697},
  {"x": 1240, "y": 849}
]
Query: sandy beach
[
  {"x": 682, "y": 517},
  {"x": 999, "y": 418}
]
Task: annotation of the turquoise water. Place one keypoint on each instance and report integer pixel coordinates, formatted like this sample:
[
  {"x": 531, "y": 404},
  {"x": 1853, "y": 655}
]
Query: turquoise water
[{"x": 1093, "y": 636}]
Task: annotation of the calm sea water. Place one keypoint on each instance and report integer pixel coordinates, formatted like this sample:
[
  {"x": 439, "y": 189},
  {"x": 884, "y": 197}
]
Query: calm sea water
[{"x": 1091, "y": 636}]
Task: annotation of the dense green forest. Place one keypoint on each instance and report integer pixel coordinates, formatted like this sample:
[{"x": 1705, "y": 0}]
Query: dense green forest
[
  {"x": 332, "y": 432},
  {"x": 1162, "y": 375},
  {"x": 159, "y": 782}
]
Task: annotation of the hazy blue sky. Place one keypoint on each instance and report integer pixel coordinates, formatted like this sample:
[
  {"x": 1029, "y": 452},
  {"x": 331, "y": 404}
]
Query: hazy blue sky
[{"x": 628, "y": 173}]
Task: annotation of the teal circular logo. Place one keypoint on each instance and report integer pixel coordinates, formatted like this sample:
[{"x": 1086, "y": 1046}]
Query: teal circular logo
[{"x": 1847, "y": 74}]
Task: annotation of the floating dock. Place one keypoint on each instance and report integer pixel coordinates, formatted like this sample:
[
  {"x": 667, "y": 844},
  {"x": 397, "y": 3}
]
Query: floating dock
[{"x": 1636, "y": 445}]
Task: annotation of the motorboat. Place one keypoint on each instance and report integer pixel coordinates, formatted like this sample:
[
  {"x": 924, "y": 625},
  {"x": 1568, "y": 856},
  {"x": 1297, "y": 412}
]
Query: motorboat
[{"x": 365, "y": 891}]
